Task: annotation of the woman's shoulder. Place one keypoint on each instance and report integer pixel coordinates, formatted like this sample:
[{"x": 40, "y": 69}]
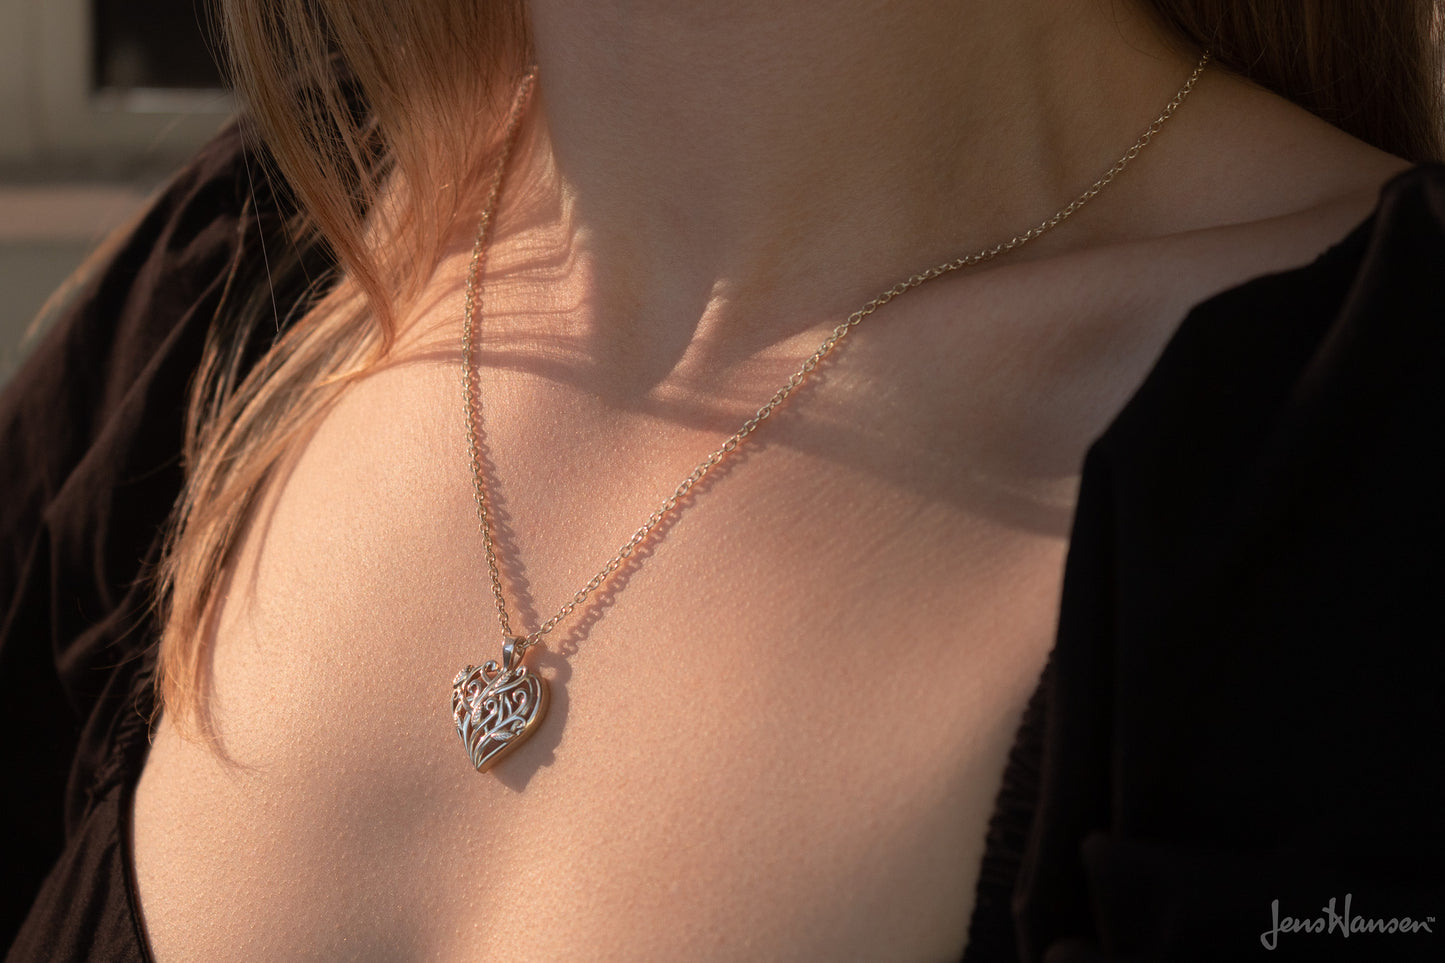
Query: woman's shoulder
[
  {"x": 1311, "y": 392},
  {"x": 1368, "y": 311}
]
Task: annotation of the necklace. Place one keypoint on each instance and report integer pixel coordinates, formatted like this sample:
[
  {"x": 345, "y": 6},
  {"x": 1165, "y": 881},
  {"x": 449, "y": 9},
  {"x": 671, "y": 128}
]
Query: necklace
[{"x": 496, "y": 707}]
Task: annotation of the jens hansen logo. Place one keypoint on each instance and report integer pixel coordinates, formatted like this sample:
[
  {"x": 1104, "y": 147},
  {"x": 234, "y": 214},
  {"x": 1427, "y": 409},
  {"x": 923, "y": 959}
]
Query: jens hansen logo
[{"x": 1345, "y": 924}]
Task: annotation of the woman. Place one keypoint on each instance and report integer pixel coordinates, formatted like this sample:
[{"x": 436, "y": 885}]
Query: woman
[{"x": 779, "y": 729}]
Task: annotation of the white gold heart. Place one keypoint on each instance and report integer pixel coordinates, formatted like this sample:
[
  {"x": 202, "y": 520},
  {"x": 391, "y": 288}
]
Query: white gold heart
[{"x": 497, "y": 707}]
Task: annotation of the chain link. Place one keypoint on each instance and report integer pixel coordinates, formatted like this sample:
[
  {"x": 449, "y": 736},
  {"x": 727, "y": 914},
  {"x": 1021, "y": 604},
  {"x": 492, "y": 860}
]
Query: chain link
[{"x": 484, "y": 516}]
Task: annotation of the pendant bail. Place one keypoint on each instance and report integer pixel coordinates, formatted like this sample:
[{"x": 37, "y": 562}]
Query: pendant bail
[{"x": 513, "y": 649}]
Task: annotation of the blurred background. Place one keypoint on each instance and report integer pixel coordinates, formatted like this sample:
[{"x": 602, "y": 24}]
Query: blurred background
[{"x": 100, "y": 100}]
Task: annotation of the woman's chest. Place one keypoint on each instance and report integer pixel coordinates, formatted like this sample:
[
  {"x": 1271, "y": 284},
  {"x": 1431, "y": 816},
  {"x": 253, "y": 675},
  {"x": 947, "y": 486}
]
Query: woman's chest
[{"x": 777, "y": 732}]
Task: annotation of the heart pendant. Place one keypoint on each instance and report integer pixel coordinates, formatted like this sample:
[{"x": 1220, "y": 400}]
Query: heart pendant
[{"x": 497, "y": 707}]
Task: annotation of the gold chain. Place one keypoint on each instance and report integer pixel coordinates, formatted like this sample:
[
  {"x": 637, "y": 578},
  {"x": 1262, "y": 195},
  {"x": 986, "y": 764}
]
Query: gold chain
[{"x": 751, "y": 425}]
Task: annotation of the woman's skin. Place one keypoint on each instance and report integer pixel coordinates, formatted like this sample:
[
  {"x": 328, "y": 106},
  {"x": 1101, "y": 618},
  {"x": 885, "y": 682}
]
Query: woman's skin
[{"x": 780, "y": 735}]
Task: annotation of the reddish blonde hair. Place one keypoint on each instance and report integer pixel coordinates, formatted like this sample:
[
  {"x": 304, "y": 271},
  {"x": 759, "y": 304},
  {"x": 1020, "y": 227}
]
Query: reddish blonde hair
[{"x": 302, "y": 68}]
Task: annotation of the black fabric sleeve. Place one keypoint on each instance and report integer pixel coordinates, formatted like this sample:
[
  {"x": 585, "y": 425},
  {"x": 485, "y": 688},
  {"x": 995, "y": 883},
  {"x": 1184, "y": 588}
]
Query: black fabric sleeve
[
  {"x": 1245, "y": 704},
  {"x": 91, "y": 432}
]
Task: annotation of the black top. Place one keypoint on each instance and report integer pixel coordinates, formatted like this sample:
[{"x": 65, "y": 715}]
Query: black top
[{"x": 1243, "y": 704}]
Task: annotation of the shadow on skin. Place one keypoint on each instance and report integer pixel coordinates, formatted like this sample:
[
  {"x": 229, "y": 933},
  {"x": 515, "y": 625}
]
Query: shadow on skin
[{"x": 822, "y": 418}]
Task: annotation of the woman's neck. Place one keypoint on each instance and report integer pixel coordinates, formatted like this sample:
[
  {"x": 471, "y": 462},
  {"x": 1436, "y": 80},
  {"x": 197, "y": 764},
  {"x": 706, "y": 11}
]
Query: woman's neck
[{"x": 756, "y": 160}]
